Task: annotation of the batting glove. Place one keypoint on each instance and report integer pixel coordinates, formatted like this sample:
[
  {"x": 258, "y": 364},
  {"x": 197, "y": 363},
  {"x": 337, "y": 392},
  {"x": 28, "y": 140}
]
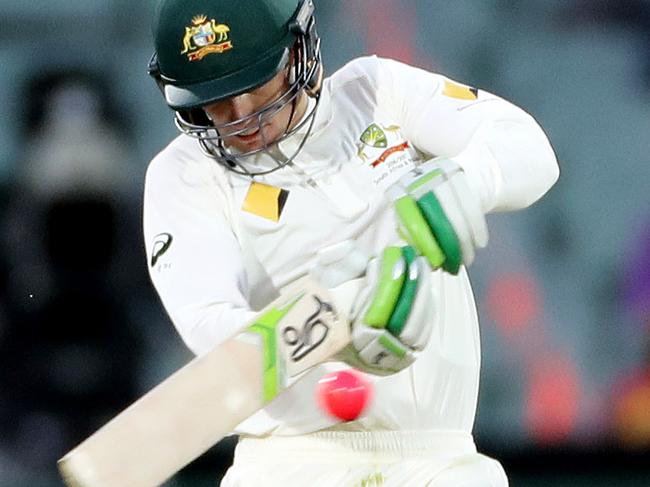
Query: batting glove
[
  {"x": 439, "y": 215},
  {"x": 391, "y": 307}
]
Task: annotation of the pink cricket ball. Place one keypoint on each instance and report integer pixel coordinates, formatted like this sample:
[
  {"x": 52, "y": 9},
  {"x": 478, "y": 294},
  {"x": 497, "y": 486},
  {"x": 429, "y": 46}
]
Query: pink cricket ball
[{"x": 344, "y": 394}]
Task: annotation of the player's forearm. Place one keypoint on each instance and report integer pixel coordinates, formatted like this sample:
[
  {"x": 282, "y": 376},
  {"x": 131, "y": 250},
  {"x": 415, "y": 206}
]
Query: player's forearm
[
  {"x": 506, "y": 156},
  {"x": 202, "y": 327}
]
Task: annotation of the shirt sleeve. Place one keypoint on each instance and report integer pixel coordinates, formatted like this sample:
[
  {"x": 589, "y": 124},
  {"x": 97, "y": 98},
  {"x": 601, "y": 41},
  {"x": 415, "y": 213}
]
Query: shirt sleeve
[
  {"x": 504, "y": 152},
  {"x": 194, "y": 258}
]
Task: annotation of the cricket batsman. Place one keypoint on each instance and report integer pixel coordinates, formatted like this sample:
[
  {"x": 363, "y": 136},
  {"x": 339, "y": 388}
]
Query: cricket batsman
[{"x": 376, "y": 180}]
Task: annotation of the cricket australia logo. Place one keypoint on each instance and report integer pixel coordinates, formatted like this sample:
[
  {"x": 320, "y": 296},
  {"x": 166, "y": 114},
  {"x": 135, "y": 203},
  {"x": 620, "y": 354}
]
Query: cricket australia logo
[
  {"x": 386, "y": 153},
  {"x": 205, "y": 37},
  {"x": 375, "y": 141},
  {"x": 375, "y": 137},
  {"x": 311, "y": 335}
]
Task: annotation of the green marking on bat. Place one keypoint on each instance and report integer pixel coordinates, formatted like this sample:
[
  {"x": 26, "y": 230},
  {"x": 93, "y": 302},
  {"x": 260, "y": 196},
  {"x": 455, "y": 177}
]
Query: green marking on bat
[{"x": 265, "y": 327}]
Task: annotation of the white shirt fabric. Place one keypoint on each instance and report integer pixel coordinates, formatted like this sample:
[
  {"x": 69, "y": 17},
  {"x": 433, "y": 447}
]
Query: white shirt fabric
[{"x": 337, "y": 187}]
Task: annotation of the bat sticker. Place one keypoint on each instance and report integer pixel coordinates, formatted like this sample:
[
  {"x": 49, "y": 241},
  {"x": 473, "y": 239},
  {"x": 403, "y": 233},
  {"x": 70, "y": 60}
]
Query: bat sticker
[{"x": 313, "y": 333}]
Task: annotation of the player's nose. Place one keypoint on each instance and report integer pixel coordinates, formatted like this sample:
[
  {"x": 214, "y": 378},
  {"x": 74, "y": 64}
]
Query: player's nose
[{"x": 240, "y": 106}]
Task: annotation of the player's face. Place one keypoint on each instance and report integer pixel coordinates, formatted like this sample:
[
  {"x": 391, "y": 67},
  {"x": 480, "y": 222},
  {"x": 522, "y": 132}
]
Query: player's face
[{"x": 254, "y": 135}]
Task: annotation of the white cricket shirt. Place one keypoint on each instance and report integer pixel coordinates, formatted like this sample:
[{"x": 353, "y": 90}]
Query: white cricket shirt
[{"x": 376, "y": 119}]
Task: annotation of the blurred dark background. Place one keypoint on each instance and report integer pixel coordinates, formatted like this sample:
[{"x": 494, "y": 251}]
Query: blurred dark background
[{"x": 563, "y": 289}]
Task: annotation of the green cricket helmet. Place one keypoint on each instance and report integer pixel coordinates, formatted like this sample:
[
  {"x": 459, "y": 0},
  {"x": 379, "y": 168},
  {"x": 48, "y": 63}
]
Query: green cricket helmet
[{"x": 210, "y": 50}]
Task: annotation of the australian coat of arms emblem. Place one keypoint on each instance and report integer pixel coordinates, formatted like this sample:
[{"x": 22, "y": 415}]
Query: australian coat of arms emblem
[{"x": 205, "y": 37}]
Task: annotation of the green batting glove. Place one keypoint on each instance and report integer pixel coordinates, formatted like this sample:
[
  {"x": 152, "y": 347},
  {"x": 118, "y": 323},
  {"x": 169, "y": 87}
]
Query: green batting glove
[
  {"x": 439, "y": 215},
  {"x": 393, "y": 318}
]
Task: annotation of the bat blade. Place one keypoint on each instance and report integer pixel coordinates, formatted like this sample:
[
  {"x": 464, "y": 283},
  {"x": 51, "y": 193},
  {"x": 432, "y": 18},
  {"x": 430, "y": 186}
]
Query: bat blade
[{"x": 193, "y": 409}]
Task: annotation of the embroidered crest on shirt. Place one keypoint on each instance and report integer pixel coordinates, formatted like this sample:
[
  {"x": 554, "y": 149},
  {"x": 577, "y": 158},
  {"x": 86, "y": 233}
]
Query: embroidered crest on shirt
[
  {"x": 205, "y": 37},
  {"x": 374, "y": 136},
  {"x": 265, "y": 201},
  {"x": 384, "y": 150}
]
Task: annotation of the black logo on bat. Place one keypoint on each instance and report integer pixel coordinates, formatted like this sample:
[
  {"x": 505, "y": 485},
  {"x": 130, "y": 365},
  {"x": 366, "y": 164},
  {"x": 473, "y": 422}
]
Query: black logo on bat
[{"x": 313, "y": 332}]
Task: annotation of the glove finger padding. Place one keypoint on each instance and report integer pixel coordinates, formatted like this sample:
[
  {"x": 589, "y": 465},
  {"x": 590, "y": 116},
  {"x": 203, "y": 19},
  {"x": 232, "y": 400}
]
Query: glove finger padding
[
  {"x": 444, "y": 193},
  {"x": 443, "y": 231},
  {"x": 439, "y": 215},
  {"x": 394, "y": 320},
  {"x": 407, "y": 294},
  {"x": 417, "y": 328},
  {"x": 414, "y": 228},
  {"x": 386, "y": 290}
]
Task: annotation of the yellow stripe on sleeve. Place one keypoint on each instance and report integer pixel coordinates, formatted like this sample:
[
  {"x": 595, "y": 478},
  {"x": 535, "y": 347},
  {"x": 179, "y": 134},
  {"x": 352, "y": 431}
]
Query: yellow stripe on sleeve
[{"x": 460, "y": 92}]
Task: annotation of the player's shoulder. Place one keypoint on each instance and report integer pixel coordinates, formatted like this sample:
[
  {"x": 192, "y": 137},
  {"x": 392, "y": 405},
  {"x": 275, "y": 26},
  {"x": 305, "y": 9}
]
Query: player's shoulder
[
  {"x": 365, "y": 68},
  {"x": 377, "y": 72},
  {"x": 173, "y": 161}
]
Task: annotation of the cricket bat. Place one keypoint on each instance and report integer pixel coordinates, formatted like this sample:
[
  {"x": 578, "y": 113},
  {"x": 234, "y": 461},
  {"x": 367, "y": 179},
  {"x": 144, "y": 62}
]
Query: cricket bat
[{"x": 194, "y": 408}]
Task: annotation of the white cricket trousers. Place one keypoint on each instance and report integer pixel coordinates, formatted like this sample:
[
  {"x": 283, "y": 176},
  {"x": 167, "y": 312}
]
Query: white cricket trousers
[{"x": 363, "y": 459}]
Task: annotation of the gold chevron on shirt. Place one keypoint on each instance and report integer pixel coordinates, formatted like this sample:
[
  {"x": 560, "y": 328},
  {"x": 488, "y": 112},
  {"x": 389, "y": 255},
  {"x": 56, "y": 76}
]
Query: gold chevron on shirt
[
  {"x": 460, "y": 92},
  {"x": 265, "y": 201}
]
